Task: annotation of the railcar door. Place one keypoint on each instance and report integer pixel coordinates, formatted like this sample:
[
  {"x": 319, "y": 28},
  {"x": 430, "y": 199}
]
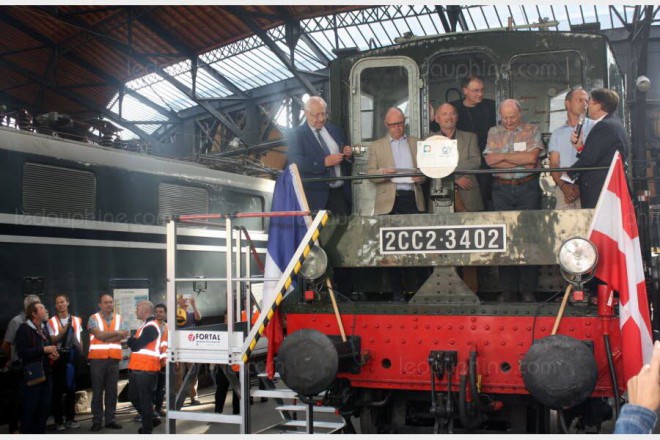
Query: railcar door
[{"x": 377, "y": 84}]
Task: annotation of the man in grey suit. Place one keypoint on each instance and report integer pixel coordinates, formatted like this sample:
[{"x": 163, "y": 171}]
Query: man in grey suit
[
  {"x": 467, "y": 194},
  {"x": 397, "y": 195},
  {"x": 396, "y": 151}
]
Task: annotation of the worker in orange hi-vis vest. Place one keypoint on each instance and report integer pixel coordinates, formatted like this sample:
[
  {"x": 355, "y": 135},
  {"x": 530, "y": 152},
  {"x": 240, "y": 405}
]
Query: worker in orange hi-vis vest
[
  {"x": 144, "y": 365},
  {"x": 159, "y": 395},
  {"x": 64, "y": 330},
  {"x": 106, "y": 331}
]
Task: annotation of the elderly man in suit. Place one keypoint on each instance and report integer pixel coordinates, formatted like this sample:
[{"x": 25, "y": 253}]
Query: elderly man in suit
[
  {"x": 397, "y": 195},
  {"x": 320, "y": 149},
  {"x": 467, "y": 195},
  {"x": 605, "y": 138},
  {"x": 387, "y": 155}
]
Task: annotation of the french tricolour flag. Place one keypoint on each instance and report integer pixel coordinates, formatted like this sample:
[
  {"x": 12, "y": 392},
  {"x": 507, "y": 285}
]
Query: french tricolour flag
[
  {"x": 614, "y": 232},
  {"x": 284, "y": 237}
]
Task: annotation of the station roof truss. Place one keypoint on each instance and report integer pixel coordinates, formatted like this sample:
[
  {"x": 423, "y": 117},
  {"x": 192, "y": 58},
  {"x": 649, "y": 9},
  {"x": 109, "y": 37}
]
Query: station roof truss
[{"x": 146, "y": 68}]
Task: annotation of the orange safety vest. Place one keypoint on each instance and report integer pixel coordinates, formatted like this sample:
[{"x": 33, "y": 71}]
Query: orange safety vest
[
  {"x": 55, "y": 326},
  {"x": 99, "y": 349},
  {"x": 164, "y": 344},
  {"x": 148, "y": 357}
]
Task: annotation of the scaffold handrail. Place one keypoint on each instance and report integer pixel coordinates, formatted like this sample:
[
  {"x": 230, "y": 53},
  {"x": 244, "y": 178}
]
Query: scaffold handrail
[
  {"x": 292, "y": 269},
  {"x": 194, "y": 217}
]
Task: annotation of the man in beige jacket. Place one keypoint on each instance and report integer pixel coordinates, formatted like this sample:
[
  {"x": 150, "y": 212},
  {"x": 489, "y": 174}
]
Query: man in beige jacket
[
  {"x": 390, "y": 154},
  {"x": 394, "y": 153},
  {"x": 467, "y": 195}
]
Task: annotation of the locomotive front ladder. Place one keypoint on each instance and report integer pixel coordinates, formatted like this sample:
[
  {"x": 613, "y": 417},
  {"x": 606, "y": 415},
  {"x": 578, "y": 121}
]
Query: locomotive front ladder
[{"x": 224, "y": 344}]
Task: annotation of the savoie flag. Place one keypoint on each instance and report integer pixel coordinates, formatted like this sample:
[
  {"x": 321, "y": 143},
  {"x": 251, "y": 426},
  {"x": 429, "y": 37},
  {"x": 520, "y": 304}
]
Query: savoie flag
[
  {"x": 284, "y": 237},
  {"x": 614, "y": 232}
]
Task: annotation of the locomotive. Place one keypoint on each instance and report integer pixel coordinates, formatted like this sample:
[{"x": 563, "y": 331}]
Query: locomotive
[{"x": 450, "y": 359}]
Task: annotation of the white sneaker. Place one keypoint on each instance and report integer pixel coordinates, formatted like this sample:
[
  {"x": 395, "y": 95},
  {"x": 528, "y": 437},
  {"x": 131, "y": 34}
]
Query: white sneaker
[
  {"x": 60, "y": 427},
  {"x": 72, "y": 424}
]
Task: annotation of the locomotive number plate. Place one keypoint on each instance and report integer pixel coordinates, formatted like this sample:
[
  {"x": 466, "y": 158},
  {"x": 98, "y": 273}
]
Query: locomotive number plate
[{"x": 442, "y": 239}]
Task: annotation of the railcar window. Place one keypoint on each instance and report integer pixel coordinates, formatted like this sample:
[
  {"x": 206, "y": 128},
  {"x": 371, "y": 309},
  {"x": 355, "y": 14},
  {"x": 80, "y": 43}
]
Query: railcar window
[
  {"x": 176, "y": 199},
  {"x": 381, "y": 88},
  {"x": 56, "y": 191},
  {"x": 446, "y": 72},
  {"x": 541, "y": 81}
]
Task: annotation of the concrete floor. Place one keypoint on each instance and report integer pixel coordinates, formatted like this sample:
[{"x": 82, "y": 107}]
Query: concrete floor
[{"x": 263, "y": 415}]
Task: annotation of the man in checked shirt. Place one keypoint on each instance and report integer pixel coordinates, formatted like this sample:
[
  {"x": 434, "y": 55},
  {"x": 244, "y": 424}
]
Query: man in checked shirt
[{"x": 515, "y": 146}]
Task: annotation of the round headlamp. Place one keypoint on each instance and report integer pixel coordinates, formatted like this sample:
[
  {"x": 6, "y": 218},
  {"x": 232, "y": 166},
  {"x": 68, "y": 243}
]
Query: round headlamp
[
  {"x": 577, "y": 256},
  {"x": 315, "y": 265}
]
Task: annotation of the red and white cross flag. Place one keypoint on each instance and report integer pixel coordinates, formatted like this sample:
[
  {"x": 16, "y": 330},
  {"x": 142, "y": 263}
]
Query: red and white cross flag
[{"x": 614, "y": 232}]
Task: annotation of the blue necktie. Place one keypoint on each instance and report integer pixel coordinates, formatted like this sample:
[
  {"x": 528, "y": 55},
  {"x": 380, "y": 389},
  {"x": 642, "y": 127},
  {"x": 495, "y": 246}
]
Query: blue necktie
[{"x": 325, "y": 148}]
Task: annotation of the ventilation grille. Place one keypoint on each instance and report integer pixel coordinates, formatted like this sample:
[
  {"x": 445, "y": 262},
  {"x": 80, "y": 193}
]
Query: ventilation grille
[
  {"x": 181, "y": 200},
  {"x": 55, "y": 191}
]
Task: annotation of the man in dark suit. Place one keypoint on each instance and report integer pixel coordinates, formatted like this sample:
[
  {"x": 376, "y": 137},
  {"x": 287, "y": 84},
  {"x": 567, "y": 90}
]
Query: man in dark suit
[
  {"x": 606, "y": 137},
  {"x": 320, "y": 150}
]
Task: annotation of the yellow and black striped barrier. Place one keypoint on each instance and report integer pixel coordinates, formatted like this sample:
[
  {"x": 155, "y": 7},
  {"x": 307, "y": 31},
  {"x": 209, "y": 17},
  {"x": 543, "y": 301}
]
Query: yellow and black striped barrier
[{"x": 285, "y": 282}]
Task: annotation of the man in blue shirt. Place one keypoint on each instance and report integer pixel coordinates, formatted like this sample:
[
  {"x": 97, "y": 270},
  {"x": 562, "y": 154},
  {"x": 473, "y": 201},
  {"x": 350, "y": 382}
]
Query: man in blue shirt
[{"x": 563, "y": 152}]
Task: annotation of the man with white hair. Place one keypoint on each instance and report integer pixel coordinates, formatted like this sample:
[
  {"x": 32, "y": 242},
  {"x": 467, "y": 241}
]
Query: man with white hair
[
  {"x": 320, "y": 149},
  {"x": 515, "y": 146}
]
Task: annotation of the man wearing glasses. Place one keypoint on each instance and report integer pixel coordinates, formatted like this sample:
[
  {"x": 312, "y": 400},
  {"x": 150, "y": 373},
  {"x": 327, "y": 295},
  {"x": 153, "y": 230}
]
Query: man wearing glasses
[
  {"x": 320, "y": 149},
  {"x": 392, "y": 154}
]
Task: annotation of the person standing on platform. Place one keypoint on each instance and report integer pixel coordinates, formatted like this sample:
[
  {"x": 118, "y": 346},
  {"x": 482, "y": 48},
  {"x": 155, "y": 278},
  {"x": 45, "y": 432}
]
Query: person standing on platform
[
  {"x": 396, "y": 151},
  {"x": 65, "y": 332},
  {"x": 144, "y": 365},
  {"x": 106, "y": 331},
  {"x": 397, "y": 195},
  {"x": 186, "y": 319},
  {"x": 563, "y": 151},
  {"x": 467, "y": 197},
  {"x": 607, "y": 136},
  {"x": 14, "y": 364},
  {"x": 320, "y": 149},
  {"x": 36, "y": 352},
  {"x": 515, "y": 146},
  {"x": 477, "y": 115},
  {"x": 159, "y": 394}
]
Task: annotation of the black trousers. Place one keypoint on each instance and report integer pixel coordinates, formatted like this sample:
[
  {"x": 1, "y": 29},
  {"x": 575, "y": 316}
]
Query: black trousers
[
  {"x": 405, "y": 203},
  {"x": 66, "y": 409},
  {"x": 35, "y": 406},
  {"x": 337, "y": 202},
  {"x": 142, "y": 385},
  {"x": 405, "y": 279},
  {"x": 159, "y": 393},
  {"x": 221, "y": 389},
  {"x": 15, "y": 379}
]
